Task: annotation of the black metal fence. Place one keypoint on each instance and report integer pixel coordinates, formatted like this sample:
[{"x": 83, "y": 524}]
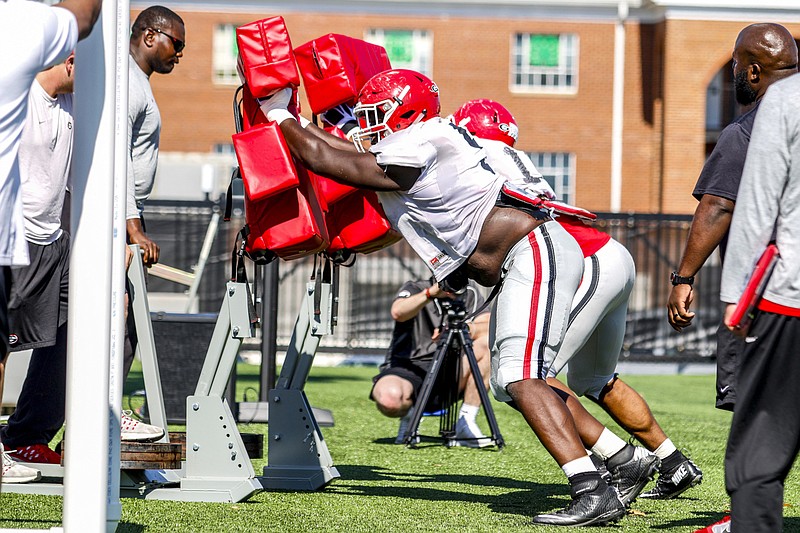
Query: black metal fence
[{"x": 367, "y": 288}]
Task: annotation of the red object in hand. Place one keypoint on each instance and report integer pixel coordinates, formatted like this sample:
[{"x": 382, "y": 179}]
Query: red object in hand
[
  {"x": 267, "y": 59},
  {"x": 335, "y": 67},
  {"x": 745, "y": 308},
  {"x": 265, "y": 162}
]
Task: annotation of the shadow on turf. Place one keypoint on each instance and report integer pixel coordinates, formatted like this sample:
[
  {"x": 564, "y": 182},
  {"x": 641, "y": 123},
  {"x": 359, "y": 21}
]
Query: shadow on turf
[{"x": 529, "y": 499}]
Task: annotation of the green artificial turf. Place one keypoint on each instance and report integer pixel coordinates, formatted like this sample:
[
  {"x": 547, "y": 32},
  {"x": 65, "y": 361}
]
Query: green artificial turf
[{"x": 386, "y": 487}]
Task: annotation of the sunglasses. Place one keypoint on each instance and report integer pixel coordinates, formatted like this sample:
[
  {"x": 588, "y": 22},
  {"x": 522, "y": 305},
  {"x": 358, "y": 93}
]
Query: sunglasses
[{"x": 176, "y": 43}]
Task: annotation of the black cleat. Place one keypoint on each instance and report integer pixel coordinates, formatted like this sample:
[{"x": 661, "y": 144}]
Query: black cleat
[
  {"x": 601, "y": 468},
  {"x": 631, "y": 469},
  {"x": 594, "y": 502},
  {"x": 675, "y": 481}
]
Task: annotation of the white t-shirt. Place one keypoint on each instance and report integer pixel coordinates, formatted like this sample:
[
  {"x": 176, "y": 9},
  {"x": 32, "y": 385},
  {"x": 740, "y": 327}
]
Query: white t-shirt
[
  {"x": 33, "y": 36},
  {"x": 45, "y": 154},
  {"x": 442, "y": 214}
]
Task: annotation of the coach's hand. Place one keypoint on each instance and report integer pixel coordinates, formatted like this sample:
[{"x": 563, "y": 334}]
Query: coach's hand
[
  {"x": 680, "y": 299},
  {"x": 136, "y": 235}
]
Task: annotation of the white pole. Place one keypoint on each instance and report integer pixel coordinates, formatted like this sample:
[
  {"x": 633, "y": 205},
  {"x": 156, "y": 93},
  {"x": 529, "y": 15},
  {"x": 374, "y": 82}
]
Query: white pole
[
  {"x": 87, "y": 466},
  {"x": 116, "y": 377},
  {"x": 617, "y": 107}
]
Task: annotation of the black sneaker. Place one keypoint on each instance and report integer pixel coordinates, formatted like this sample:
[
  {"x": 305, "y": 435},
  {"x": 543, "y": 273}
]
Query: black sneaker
[
  {"x": 631, "y": 469},
  {"x": 675, "y": 481},
  {"x": 594, "y": 502}
]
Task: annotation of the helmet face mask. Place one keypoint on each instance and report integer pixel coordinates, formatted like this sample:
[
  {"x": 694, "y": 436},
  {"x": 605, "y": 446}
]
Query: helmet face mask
[
  {"x": 391, "y": 101},
  {"x": 487, "y": 119}
]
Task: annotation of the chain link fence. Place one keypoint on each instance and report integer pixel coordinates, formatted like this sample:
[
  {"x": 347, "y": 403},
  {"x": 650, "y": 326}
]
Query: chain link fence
[{"x": 367, "y": 288}]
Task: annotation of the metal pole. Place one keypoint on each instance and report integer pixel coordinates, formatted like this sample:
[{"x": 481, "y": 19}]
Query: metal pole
[
  {"x": 617, "y": 125},
  {"x": 88, "y": 465},
  {"x": 269, "y": 329}
]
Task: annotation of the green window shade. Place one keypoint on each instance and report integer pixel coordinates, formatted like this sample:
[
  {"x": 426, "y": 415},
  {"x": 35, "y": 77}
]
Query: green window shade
[
  {"x": 399, "y": 46},
  {"x": 235, "y": 45},
  {"x": 544, "y": 51}
]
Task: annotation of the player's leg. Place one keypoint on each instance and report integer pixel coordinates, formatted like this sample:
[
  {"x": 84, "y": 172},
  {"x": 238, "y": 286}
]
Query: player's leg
[{"x": 544, "y": 271}]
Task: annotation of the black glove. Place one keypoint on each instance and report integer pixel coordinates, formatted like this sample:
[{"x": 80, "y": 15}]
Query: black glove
[{"x": 342, "y": 117}]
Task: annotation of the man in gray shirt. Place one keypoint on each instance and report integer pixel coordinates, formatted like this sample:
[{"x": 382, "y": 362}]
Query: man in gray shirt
[
  {"x": 765, "y": 430},
  {"x": 157, "y": 40}
]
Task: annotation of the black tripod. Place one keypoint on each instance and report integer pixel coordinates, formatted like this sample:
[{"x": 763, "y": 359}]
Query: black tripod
[{"x": 446, "y": 366}]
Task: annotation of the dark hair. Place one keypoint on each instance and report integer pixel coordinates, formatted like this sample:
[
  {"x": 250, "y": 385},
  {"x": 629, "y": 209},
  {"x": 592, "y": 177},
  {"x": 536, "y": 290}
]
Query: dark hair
[{"x": 156, "y": 17}]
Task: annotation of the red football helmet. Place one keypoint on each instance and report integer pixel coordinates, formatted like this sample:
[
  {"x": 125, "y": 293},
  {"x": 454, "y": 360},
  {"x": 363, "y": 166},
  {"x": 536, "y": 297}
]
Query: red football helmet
[
  {"x": 391, "y": 101},
  {"x": 486, "y": 119}
]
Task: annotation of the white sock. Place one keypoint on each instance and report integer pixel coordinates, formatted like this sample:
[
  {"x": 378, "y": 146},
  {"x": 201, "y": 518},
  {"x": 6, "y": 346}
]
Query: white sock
[
  {"x": 665, "y": 449},
  {"x": 578, "y": 466},
  {"x": 607, "y": 445},
  {"x": 469, "y": 412}
]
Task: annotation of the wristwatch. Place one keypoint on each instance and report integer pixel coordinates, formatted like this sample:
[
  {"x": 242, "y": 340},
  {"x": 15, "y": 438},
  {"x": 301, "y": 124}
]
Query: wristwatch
[{"x": 675, "y": 279}]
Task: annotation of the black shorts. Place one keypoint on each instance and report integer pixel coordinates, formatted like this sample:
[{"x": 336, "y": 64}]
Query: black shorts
[
  {"x": 415, "y": 372},
  {"x": 729, "y": 350},
  {"x": 38, "y": 302}
]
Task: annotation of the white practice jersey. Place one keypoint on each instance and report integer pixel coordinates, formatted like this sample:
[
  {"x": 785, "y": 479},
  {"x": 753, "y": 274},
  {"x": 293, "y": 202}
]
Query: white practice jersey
[
  {"x": 442, "y": 214},
  {"x": 516, "y": 167}
]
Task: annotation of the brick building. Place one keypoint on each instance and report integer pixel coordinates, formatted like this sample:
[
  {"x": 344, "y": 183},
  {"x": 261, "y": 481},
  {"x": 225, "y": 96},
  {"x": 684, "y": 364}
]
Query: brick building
[{"x": 551, "y": 62}]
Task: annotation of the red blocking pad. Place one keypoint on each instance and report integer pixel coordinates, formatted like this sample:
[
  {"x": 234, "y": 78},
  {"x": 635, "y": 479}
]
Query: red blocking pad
[
  {"x": 265, "y": 162},
  {"x": 290, "y": 224},
  {"x": 267, "y": 59},
  {"x": 334, "y": 67},
  {"x": 330, "y": 190},
  {"x": 358, "y": 223}
]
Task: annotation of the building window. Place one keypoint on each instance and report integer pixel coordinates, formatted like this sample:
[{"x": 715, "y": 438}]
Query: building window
[
  {"x": 411, "y": 49},
  {"x": 544, "y": 63},
  {"x": 558, "y": 168},
  {"x": 225, "y": 52}
]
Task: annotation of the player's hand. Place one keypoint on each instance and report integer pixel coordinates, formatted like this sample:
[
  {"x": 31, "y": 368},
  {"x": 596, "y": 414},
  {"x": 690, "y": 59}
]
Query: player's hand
[
  {"x": 737, "y": 331},
  {"x": 278, "y": 101},
  {"x": 150, "y": 249},
  {"x": 680, "y": 299},
  {"x": 341, "y": 117}
]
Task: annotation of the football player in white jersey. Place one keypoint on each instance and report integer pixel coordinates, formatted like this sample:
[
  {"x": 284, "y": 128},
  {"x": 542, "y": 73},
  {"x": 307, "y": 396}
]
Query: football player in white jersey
[
  {"x": 437, "y": 189},
  {"x": 593, "y": 341}
]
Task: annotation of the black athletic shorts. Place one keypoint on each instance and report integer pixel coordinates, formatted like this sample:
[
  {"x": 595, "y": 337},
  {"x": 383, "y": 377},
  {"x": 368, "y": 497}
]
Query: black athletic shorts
[
  {"x": 38, "y": 303},
  {"x": 415, "y": 372}
]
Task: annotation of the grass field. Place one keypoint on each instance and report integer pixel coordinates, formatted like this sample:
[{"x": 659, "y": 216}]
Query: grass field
[{"x": 385, "y": 487}]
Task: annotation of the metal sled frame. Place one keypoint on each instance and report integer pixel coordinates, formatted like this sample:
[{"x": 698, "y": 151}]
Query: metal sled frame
[{"x": 217, "y": 467}]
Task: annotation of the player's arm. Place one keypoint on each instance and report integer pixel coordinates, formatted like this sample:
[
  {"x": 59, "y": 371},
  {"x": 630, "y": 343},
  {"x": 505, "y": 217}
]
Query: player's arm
[
  {"x": 711, "y": 221},
  {"x": 334, "y": 141},
  {"x": 86, "y": 13}
]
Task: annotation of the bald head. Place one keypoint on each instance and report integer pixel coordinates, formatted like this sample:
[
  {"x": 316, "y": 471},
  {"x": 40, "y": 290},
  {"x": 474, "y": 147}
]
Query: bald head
[{"x": 764, "y": 53}]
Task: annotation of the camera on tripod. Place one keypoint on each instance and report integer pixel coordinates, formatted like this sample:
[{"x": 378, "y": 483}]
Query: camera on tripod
[{"x": 454, "y": 312}]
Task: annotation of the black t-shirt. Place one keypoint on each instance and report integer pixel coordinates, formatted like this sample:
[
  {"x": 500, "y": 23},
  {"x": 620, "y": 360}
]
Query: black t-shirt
[
  {"x": 722, "y": 171},
  {"x": 412, "y": 339}
]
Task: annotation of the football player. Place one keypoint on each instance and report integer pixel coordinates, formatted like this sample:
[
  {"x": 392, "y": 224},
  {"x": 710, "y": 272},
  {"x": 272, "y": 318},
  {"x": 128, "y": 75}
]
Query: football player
[
  {"x": 438, "y": 190},
  {"x": 593, "y": 340}
]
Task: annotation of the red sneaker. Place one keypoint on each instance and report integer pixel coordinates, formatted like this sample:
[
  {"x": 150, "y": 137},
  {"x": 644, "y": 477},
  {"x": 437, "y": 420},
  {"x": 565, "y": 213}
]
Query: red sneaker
[
  {"x": 35, "y": 453},
  {"x": 723, "y": 526}
]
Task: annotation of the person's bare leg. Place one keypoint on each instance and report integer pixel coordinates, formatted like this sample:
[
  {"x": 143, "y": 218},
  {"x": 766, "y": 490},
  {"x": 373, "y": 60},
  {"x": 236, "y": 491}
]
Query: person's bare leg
[
  {"x": 631, "y": 412},
  {"x": 549, "y": 418},
  {"x": 589, "y": 428},
  {"x": 393, "y": 396}
]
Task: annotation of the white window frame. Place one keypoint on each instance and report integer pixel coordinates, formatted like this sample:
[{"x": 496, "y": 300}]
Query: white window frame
[
  {"x": 223, "y": 66},
  {"x": 541, "y": 79},
  {"x": 558, "y": 168},
  {"x": 422, "y": 44}
]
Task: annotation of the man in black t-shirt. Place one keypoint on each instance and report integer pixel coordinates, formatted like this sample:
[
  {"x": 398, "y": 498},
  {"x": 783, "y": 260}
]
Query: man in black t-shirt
[
  {"x": 763, "y": 54},
  {"x": 417, "y": 311}
]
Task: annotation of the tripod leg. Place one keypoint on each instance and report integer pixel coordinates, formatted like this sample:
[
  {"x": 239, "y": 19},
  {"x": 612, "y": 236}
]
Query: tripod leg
[
  {"x": 466, "y": 342},
  {"x": 427, "y": 387}
]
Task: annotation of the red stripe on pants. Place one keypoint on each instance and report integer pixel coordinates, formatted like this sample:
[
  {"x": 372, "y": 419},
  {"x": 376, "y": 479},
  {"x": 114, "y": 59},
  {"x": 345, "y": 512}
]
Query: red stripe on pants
[{"x": 535, "y": 294}]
